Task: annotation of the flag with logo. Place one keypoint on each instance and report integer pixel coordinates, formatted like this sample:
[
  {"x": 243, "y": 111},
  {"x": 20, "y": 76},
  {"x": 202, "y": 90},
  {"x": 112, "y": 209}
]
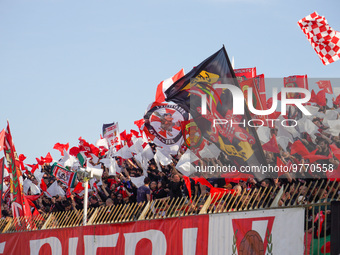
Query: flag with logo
[
  {"x": 238, "y": 141},
  {"x": 111, "y": 133},
  {"x": 324, "y": 39},
  {"x": 16, "y": 190},
  {"x": 162, "y": 123},
  {"x": 295, "y": 81},
  {"x": 62, "y": 174},
  {"x": 243, "y": 74}
]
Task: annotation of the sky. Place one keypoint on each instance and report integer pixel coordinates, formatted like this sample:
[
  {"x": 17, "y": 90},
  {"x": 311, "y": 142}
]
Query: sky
[{"x": 67, "y": 67}]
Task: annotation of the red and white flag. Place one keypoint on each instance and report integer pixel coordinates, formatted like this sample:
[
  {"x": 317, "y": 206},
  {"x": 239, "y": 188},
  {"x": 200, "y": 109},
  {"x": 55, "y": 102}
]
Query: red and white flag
[
  {"x": 324, "y": 39},
  {"x": 164, "y": 85}
]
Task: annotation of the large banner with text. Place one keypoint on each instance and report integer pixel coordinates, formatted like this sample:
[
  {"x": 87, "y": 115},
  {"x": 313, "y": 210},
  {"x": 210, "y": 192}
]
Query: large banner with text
[{"x": 261, "y": 232}]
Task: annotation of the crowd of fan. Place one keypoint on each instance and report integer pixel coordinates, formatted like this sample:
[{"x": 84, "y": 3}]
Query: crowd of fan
[{"x": 167, "y": 182}]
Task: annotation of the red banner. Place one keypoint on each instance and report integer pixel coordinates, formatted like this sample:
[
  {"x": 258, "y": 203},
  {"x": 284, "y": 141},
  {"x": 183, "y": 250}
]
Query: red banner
[
  {"x": 187, "y": 236},
  {"x": 243, "y": 74},
  {"x": 295, "y": 81}
]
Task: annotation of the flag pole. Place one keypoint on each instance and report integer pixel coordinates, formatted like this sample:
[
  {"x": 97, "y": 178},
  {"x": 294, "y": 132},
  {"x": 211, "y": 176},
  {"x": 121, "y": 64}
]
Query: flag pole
[{"x": 86, "y": 193}]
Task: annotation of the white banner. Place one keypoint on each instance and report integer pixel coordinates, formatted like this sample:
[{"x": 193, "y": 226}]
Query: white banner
[{"x": 257, "y": 232}]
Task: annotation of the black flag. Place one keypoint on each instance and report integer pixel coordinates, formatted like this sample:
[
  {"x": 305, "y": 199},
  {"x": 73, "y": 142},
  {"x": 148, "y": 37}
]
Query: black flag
[{"x": 231, "y": 133}]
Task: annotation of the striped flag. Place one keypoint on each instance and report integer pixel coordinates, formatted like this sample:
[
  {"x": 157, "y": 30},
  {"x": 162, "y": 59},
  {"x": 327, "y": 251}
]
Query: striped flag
[
  {"x": 19, "y": 208},
  {"x": 164, "y": 85}
]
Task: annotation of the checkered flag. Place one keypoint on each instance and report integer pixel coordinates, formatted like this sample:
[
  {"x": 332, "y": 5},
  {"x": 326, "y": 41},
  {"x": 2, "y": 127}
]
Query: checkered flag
[{"x": 324, "y": 39}]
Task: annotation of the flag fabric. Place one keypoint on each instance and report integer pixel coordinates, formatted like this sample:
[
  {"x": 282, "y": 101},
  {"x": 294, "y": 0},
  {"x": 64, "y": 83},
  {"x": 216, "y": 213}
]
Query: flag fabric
[
  {"x": 272, "y": 145},
  {"x": 17, "y": 197},
  {"x": 240, "y": 143},
  {"x": 61, "y": 147},
  {"x": 2, "y": 167},
  {"x": 324, "y": 39},
  {"x": 111, "y": 133},
  {"x": 163, "y": 123},
  {"x": 62, "y": 174},
  {"x": 299, "y": 148},
  {"x": 243, "y": 74},
  {"x": 325, "y": 85},
  {"x": 295, "y": 81},
  {"x": 164, "y": 85}
]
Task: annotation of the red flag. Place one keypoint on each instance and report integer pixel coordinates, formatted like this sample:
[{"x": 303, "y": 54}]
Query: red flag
[
  {"x": 323, "y": 38},
  {"x": 187, "y": 184},
  {"x": 68, "y": 192},
  {"x": 135, "y": 133},
  {"x": 60, "y": 147},
  {"x": 321, "y": 98},
  {"x": 337, "y": 100},
  {"x": 271, "y": 145},
  {"x": 48, "y": 159},
  {"x": 74, "y": 151},
  {"x": 312, "y": 157},
  {"x": 279, "y": 163},
  {"x": 34, "y": 167},
  {"x": 2, "y": 139},
  {"x": 164, "y": 85},
  {"x": 21, "y": 161},
  {"x": 40, "y": 162},
  {"x": 78, "y": 188},
  {"x": 139, "y": 123},
  {"x": 2, "y": 164},
  {"x": 325, "y": 85},
  {"x": 299, "y": 148}
]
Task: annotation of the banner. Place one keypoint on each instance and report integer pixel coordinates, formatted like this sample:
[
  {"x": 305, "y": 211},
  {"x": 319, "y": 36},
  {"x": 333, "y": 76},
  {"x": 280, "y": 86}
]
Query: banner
[
  {"x": 212, "y": 234},
  {"x": 162, "y": 123},
  {"x": 243, "y": 74},
  {"x": 232, "y": 135},
  {"x": 111, "y": 133},
  {"x": 62, "y": 174},
  {"x": 257, "y": 232},
  {"x": 295, "y": 81},
  {"x": 259, "y": 93}
]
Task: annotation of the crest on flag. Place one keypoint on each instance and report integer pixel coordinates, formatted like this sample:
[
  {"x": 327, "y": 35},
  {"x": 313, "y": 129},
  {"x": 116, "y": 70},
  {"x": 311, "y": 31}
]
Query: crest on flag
[
  {"x": 62, "y": 174},
  {"x": 253, "y": 235},
  {"x": 163, "y": 123}
]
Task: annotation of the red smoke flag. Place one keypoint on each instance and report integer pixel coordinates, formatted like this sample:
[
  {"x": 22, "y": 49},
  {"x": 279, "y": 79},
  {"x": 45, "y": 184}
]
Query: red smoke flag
[
  {"x": 2, "y": 139},
  {"x": 325, "y": 85},
  {"x": 324, "y": 39},
  {"x": 61, "y": 147},
  {"x": 164, "y": 85},
  {"x": 271, "y": 145},
  {"x": 17, "y": 197}
]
